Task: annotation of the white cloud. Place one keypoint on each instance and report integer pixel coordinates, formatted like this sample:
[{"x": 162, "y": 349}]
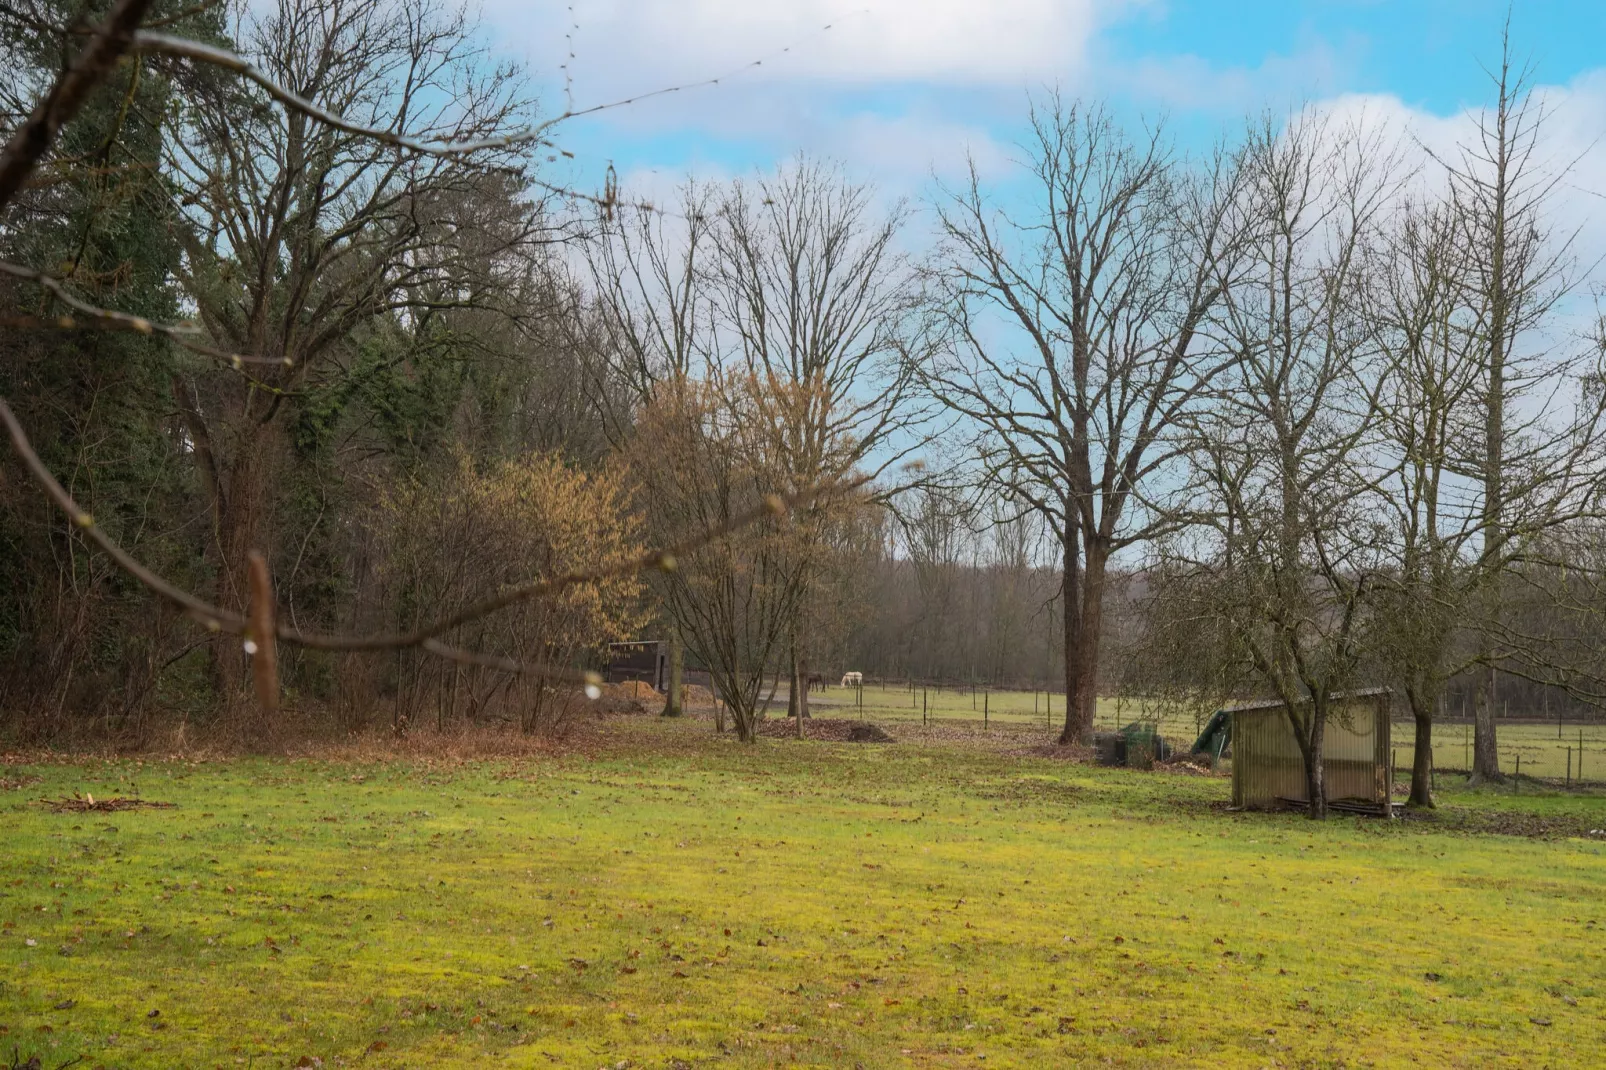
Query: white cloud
[
  {"x": 1193, "y": 83},
  {"x": 642, "y": 44},
  {"x": 904, "y": 150},
  {"x": 1571, "y": 149}
]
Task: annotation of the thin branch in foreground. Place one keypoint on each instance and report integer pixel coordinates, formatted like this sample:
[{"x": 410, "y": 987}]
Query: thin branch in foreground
[
  {"x": 217, "y": 619},
  {"x": 663, "y": 560},
  {"x": 212, "y": 617},
  {"x": 167, "y": 44},
  {"x": 107, "y": 319},
  {"x": 100, "y": 54}
]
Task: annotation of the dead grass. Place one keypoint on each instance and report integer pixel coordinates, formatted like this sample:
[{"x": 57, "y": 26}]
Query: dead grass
[{"x": 832, "y": 730}]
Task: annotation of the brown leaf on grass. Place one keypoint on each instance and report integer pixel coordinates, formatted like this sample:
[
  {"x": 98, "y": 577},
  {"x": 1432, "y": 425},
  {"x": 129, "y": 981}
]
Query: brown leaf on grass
[
  {"x": 66, "y": 1005},
  {"x": 377, "y": 1046}
]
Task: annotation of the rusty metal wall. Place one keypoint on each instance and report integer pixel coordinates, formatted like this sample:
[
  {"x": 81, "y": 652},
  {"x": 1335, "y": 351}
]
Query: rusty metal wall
[{"x": 1267, "y": 765}]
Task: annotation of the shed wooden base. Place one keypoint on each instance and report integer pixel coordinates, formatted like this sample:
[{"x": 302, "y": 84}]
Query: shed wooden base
[{"x": 1348, "y": 806}]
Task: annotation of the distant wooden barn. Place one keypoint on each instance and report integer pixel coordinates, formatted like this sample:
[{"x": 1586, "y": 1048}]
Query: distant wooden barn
[
  {"x": 1268, "y": 770},
  {"x": 646, "y": 660}
]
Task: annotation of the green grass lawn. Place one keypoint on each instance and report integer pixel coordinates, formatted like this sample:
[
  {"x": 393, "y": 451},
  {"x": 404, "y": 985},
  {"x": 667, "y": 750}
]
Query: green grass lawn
[{"x": 655, "y": 897}]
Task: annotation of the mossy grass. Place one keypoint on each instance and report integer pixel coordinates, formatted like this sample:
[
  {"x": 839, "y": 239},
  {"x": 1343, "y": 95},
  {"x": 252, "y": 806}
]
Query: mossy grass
[{"x": 656, "y": 897}]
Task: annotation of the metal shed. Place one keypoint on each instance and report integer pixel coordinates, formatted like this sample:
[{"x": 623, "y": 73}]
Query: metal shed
[{"x": 1268, "y": 768}]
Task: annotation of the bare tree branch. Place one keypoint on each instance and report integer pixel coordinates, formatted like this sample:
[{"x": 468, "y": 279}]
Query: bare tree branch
[
  {"x": 108, "y": 42},
  {"x": 109, "y": 319}
]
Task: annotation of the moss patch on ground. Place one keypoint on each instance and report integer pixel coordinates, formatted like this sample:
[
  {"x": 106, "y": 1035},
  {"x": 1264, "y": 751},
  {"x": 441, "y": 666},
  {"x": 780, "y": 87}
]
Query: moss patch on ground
[{"x": 666, "y": 899}]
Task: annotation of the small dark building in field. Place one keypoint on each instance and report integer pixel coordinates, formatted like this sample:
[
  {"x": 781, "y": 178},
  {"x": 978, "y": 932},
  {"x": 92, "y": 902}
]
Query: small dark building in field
[
  {"x": 646, "y": 660},
  {"x": 1267, "y": 768}
]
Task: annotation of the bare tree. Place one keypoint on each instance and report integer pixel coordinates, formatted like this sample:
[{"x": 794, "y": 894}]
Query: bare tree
[
  {"x": 1516, "y": 271},
  {"x": 701, "y": 463},
  {"x": 297, "y": 234},
  {"x": 648, "y": 270},
  {"x": 1291, "y": 555},
  {"x": 351, "y": 224},
  {"x": 1430, "y": 394},
  {"x": 1077, "y": 345}
]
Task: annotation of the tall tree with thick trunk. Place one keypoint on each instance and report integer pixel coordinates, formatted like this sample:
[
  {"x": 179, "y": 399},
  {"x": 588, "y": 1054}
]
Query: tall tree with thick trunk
[{"x": 1076, "y": 345}]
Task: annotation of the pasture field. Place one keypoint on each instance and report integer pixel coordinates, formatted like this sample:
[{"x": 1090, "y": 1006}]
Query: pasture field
[
  {"x": 652, "y": 896},
  {"x": 1543, "y": 751}
]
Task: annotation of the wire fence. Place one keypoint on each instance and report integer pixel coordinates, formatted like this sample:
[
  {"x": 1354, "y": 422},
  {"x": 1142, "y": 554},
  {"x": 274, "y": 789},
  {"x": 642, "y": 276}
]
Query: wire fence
[{"x": 1568, "y": 752}]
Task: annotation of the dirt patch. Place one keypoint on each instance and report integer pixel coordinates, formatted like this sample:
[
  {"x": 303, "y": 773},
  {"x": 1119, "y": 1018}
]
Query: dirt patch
[
  {"x": 699, "y": 697},
  {"x": 1188, "y": 765},
  {"x": 1516, "y": 823},
  {"x": 636, "y": 696},
  {"x": 868, "y": 733},
  {"x": 826, "y": 729},
  {"x": 630, "y": 697},
  {"x": 17, "y": 783},
  {"x": 80, "y": 804}
]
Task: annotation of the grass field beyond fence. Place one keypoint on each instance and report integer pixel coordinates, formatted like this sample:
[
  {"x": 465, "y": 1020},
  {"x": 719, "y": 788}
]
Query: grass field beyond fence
[
  {"x": 1544, "y": 753},
  {"x": 662, "y": 898}
]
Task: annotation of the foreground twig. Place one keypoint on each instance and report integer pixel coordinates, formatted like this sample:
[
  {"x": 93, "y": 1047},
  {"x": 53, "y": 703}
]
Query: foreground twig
[
  {"x": 108, "y": 319},
  {"x": 262, "y": 624},
  {"x": 33, "y": 138}
]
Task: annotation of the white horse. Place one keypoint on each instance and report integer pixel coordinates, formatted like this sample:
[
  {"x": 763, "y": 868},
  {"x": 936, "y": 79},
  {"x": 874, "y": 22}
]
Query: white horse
[{"x": 853, "y": 679}]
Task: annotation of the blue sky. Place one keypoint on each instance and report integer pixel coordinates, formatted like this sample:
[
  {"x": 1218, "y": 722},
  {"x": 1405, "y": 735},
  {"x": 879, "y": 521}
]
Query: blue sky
[{"x": 900, "y": 90}]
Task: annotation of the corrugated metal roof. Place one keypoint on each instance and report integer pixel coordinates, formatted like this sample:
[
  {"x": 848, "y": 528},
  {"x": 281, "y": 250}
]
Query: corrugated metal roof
[{"x": 1273, "y": 703}]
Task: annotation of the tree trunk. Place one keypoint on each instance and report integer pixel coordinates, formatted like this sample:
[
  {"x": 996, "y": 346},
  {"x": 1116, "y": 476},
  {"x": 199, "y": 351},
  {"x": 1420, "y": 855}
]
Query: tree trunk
[
  {"x": 243, "y": 521},
  {"x": 1090, "y": 630},
  {"x": 672, "y": 704},
  {"x": 794, "y": 699},
  {"x": 1071, "y": 598},
  {"x": 1315, "y": 767},
  {"x": 1485, "y": 749},
  {"x": 746, "y": 724},
  {"x": 1422, "y": 762},
  {"x": 763, "y": 711}
]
